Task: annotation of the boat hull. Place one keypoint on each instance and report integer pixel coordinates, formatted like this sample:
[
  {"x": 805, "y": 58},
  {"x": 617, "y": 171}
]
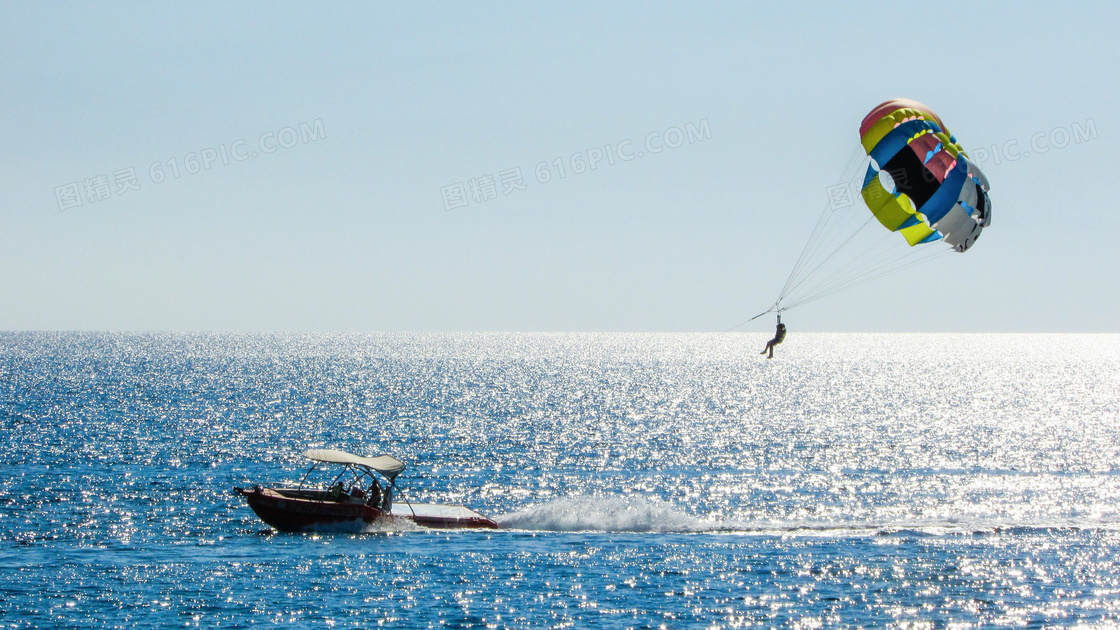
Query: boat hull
[{"x": 296, "y": 514}]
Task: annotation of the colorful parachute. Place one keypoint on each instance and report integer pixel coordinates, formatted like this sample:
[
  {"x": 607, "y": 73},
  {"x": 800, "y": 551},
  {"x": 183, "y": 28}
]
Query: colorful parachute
[{"x": 920, "y": 182}]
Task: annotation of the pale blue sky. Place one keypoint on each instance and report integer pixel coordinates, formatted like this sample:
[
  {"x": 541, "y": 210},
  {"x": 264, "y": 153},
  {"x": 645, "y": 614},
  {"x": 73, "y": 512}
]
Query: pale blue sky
[{"x": 345, "y": 227}]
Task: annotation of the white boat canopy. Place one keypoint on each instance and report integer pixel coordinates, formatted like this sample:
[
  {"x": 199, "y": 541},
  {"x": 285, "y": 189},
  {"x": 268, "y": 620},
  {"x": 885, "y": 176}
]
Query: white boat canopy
[{"x": 385, "y": 464}]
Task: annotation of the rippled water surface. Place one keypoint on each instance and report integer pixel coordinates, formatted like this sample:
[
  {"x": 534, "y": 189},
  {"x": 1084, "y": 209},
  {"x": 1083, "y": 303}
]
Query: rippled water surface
[{"x": 642, "y": 480}]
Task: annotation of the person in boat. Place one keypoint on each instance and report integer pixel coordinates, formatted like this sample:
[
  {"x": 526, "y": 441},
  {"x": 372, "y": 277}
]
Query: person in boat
[
  {"x": 779, "y": 337},
  {"x": 374, "y": 499},
  {"x": 336, "y": 492}
]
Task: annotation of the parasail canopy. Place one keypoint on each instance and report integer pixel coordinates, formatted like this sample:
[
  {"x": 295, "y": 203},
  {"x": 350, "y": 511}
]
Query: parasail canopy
[{"x": 919, "y": 181}]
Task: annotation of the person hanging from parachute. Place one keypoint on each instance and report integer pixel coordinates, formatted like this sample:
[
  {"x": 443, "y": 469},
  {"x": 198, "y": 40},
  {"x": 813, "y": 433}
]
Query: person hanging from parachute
[{"x": 779, "y": 337}]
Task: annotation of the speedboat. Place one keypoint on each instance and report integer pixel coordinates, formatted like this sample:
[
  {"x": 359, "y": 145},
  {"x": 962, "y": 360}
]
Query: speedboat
[{"x": 355, "y": 500}]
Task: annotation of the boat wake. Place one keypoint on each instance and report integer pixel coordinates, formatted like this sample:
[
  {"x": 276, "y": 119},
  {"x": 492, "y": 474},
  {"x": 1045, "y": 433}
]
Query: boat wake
[
  {"x": 611, "y": 514},
  {"x": 637, "y": 514},
  {"x": 389, "y": 527}
]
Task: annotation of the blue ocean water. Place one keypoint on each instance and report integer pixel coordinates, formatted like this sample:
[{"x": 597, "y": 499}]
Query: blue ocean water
[{"x": 644, "y": 480}]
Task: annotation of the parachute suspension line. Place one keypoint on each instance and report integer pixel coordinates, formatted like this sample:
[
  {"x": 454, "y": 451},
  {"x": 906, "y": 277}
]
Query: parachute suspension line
[
  {"x": 823, "y": 232},
  {"x": 873, "y": 274},
  {"x": 831, "y": 237},
  {"x": 827, "y": 218},
  {"x": 824, "y": 261},
  {"x": 861, "y": 266},
  {"x": 807, "y": 254},
  {"x": 846, "y": 248},
  {"x": 873, "y": 255},
  {"x": 858, "y": 281},
  {"x": 818, "y": 229},
  {"x": 875, "y": 269}
]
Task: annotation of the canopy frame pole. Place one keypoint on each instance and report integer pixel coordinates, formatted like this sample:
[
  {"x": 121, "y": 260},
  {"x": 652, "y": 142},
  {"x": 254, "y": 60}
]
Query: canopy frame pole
[
  {"x": 393, "y": 482},
  {"x": 309, "y": 471}
]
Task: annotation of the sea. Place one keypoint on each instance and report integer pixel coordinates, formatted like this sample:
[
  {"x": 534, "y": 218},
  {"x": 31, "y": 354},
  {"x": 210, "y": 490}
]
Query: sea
[{"x": 641, "y": 480}]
